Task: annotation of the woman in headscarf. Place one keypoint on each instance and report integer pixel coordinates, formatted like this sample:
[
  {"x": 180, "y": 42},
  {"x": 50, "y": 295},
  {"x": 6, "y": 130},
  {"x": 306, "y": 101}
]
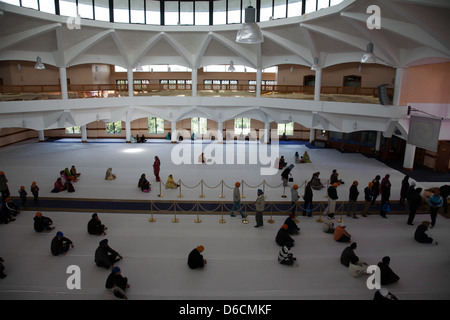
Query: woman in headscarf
[
  {"x": 144, "y": 184},
  {"x": 156, "y": 168},
  {"x": 171, "y": 184},
  {"x": 109, "y": 175}
]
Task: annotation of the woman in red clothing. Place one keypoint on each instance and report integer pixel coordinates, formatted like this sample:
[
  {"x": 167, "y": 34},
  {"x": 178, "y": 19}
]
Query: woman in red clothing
[{"x": 156, "y": 168}]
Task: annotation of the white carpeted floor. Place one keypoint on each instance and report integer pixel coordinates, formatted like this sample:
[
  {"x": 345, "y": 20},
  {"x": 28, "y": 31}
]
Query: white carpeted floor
[{"x": 242, "y": 260}]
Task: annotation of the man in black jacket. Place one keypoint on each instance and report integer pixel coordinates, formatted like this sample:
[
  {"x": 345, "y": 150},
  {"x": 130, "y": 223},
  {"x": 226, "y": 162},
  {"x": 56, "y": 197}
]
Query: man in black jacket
[
  {"x": 332, "y": 197},
  {"x": 95, "y": 226},
  {"x": 195, "y": 258},
  {"x": 283, "y": 238},
  {"x": 105, "y": 256}
]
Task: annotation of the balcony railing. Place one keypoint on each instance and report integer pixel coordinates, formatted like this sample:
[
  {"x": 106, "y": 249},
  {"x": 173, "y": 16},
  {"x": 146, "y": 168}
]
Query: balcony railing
[{"x": 77, "y": 91}]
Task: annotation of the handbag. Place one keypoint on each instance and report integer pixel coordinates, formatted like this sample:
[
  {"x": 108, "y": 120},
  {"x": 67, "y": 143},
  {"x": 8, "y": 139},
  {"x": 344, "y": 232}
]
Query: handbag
[
  {"x": 291, "y": 179},
  {"x": 386, "y": 207}
]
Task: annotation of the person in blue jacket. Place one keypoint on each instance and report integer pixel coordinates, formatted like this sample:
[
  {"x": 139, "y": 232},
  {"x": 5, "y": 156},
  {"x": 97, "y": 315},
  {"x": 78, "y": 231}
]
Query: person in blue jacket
[{"x": 435, "y": 202}]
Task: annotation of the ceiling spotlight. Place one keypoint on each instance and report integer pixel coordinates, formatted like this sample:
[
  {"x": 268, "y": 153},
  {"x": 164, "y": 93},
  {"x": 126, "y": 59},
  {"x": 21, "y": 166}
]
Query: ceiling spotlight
[
  {"x": 231, "y": 67},
  {"x": 39, "y": 65},
  {"x": 249, "y": 32},
  {"x": 369, "y": 56}
]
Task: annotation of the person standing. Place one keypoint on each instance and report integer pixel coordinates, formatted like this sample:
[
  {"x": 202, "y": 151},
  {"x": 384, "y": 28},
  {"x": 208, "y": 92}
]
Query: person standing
[
  {"x": 2, "y": 269},
  {"x": 23, "y": 195},
  {"x": 308, "y": 200},
  {"x": 353, "y": 198},
  {"x": 367, "y": 199},
  {"x": 404, "y": 190},
  {"x": 237, "y": 200},
  {"x": 385, "y": 189},
  {"x": 259, "y": 207},
  {"x": 294, "y": 198},
  {"x": 445, "y": 192},
  {"x": 285, "y": 175},
  {"x": 375, "y": 189},
  {"x": 35, "y": 191},
  {"x": 4, "y": 187},
  {"x": 332, "y": 197},
  {"x": 414, "y": 201},
  {"x": 157, "y": 168},
  {"x": 435, "y": 202}
]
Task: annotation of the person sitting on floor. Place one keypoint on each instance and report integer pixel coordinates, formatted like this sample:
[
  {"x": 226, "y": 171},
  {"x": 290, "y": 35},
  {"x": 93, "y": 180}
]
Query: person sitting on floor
[
  {"x": 42, "y": 223},
  {"x": 297, "y": 157},
  {"x": 340, "y": 234},
  {"x": 195, "y": 258},
  {"x": 58, "y": 186},
  {"x": 105, "y": 256},
  {"x": 306, "y": 157},
  {"x": 11, "y": 207},
  {"x": 422, "y": 234},
  {"x": 117, "y": 283},
  {"x": 285, "y": 257},
  {"x": 283, "y": 238},
  {"x": 95, "y": 226},
  {"x": 109, "y": 175},
  {"x": 334, "y": 178},
  {"x": 74, "y": 172},
  {"x": 60, "y": 244},
  {"x": 292, "y": 226},
  {"x": 170, "y": 183},
  {"x": 357, "y": 269},
  {"x": 348, "y": 254},
  {"x": 144, "y": 184},
  {"x": 387, "y": 275},
  {"x": 384, "y": 295},
  {"x": 328, "y": 223},
  {"x": 315, "y": 182}
]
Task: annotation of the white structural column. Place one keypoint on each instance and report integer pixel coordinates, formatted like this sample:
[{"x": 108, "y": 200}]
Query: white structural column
[
  {"x": 378, "y": 141},
  {"x": 317, "y": 84},
  {"x": 258, "y": 82},
  {"x": 312, "y": 135},
  {"x": 266, "y": 132},
  {"x": 41, "y": 135},
  {"x": 408, "y": 160},
  {"x": 128, "y": 128},
  {"x": 173, "y": 129},
  {"x": 220, "y": 132},
  {"x": 83, "y": 134},
  {"x": 194, "y": 81},
  {"x": 63, "y": 83},
  {"x": 398, "y": 85},
  {"x": 130, "y": 82}
]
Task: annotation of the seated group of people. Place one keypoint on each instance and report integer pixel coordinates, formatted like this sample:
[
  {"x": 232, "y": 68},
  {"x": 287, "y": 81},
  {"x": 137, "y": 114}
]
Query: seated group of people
[
  {"x": 64, "y": 182},
  {"x": 145, "y": 185},
  {"x": 303, "y": 159}
]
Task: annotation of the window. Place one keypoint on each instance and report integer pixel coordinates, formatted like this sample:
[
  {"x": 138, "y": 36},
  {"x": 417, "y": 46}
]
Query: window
[
  {"x": 368, "y": 138},
  {"x": 68, "y": 8},
  {"x": 242, "y": 125},
  {"x": 187, "y": 12},
  {"x": 201, "y": 13},
  {"x": 101, "y": 10},
  {"x": 294, "y": 8},
  {"x": 199, "y": 125},
  {"x": 121, "y": 11},
  {"x": 114, "y": 127},
  {"x": 309, "y": 80},
  {"x": 171, "y": 13},
  {"x": 287, "y": 128},
  {"x": 220, "y": 12},
  {"x": 137, "y": 12},
  {"x": 152, "y": 14},
  {"x": 155, "y": 125},
  {"x": 47, "y": 6},
  {"x": 85, "y": 9},
  {"x": 30, "y": 4},
  {"x": 73, "y": 130},
  {"x": 352, "y": 81}
]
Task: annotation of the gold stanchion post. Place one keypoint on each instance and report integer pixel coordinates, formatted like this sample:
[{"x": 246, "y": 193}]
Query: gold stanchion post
[
  {"x": 175, "y": 220},
  {"x": 222, "y": 220},
  {"x": 243, "y": 195},
  {"x": 245, "y": 221},
  {"x": 321, "y": 211},
  {"x": 222, "y": 195},
  {"x": 151, "y": 212},
  {"x": 202, "y": 195},
  {"x": 179, "y": 186},
  {"x": 271, "y": 209},
  {"x": 160, "y": 195},
  {"x": 198, "y": 219},
  {"x": 342, "y": 208}
]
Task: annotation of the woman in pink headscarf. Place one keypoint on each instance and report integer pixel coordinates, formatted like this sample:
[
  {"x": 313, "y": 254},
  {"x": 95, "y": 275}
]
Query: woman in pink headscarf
[{"x": 156, "y": 168}]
